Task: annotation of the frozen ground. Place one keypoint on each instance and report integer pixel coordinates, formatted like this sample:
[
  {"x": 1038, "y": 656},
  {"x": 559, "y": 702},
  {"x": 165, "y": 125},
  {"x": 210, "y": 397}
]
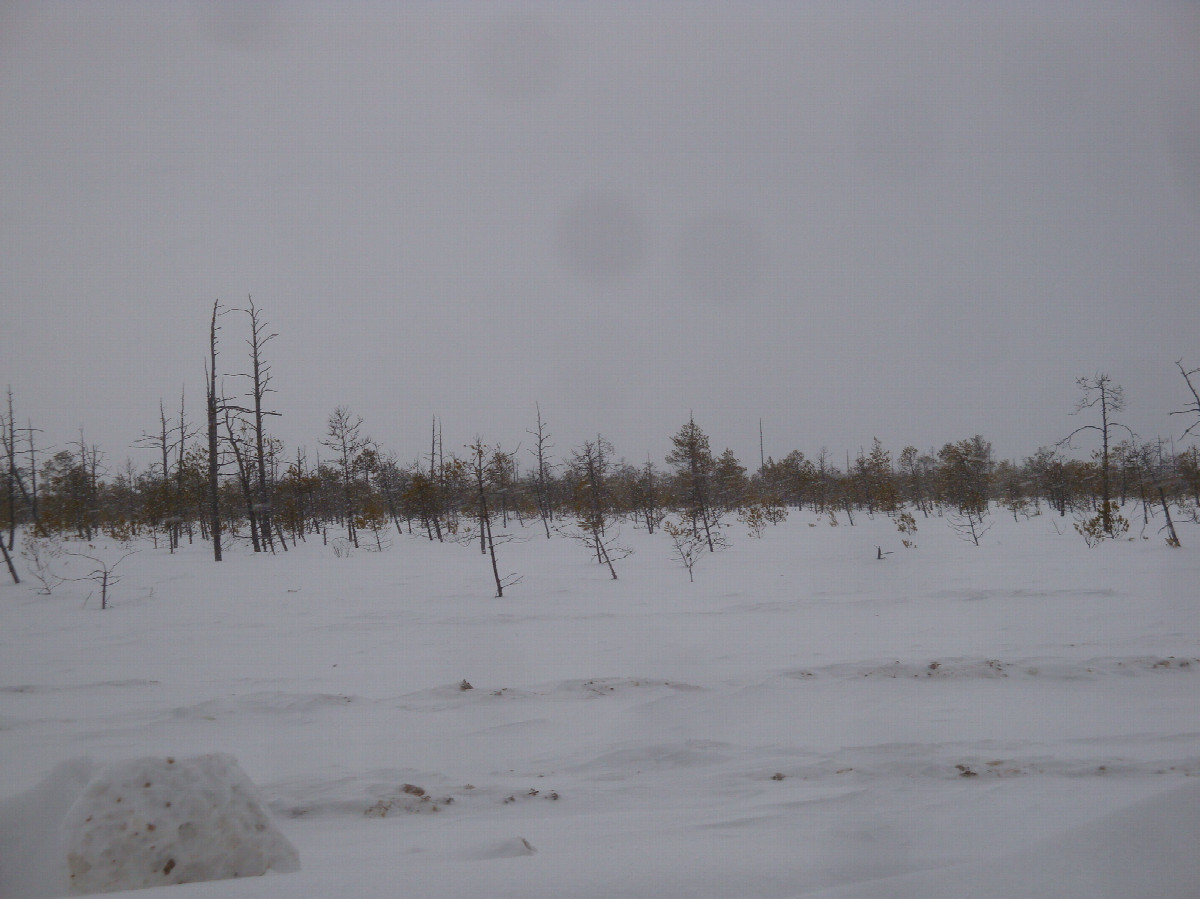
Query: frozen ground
[{"x": 1020, "y": 718}]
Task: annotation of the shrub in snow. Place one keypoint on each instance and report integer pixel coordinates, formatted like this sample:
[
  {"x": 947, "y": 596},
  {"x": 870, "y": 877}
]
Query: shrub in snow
[
  {"x": 1107, "y": 522},
  {"x": 103, "y": 574},
  {"x": 153, "y": 821},
  {"x": 687, "y": 543},
  {"x": 43, "y": 559},
  {"x": 756, "y": 516}
]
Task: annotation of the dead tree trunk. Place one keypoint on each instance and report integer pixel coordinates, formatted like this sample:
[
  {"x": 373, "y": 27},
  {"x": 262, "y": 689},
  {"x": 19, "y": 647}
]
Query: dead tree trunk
[
  {"x": 214, "y": 505},
  {"x": 1173, "y": 540},
  {"x": 9, "y": 562},
  {"x": 260, "y": 375}
]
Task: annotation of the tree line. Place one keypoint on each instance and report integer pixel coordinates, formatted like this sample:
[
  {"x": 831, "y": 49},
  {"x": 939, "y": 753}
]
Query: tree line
[{"x": 227, "y": 478}]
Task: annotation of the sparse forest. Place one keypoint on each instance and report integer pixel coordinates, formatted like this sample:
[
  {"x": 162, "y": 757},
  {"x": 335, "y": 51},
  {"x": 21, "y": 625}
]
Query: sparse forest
[{"x": 234, "y": 482}]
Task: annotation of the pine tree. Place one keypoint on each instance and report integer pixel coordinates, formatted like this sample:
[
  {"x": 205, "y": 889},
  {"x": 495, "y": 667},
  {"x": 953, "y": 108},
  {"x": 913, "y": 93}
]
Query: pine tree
[{"x": 694, "y": 469}]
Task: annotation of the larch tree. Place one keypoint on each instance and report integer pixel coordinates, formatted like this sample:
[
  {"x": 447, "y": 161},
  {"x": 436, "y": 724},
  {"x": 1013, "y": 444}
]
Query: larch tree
[
  {"x": 169, "y": 443},
  {"x": 89, "y": 465},
  {"x": 590, "y": 502},
  {"x": 480, "y": 467},
  {"x": 876, "y": 479},
  {"x": 647, "y": 496},
  {"x": 730, "y": 484},
  {"x": 694, "y": 467},
  {"x": 344, "y": 436},
  {"x": 390, "y": 479},
  {"x": 1101, "y": 394},
  {"x": 913, "y": 487},
  {"x": 965, "y": 478}
]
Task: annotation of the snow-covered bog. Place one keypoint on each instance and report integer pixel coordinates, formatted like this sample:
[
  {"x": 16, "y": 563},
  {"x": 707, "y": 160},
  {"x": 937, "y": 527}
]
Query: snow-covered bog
[
  {"x": 157, "y": 821},
  {"x": 1017, "y": 718}
]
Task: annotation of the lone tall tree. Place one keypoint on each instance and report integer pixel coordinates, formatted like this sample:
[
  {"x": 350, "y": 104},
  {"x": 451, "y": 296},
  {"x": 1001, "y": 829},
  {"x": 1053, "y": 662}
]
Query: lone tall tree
[
  {"x": 344, "y": 436},
  {"x": 542, "y": 476},
  {"x": 1099, "y": 392},
  {"x": 214, "y": 408},
  {"x": 260, "y": 379}
]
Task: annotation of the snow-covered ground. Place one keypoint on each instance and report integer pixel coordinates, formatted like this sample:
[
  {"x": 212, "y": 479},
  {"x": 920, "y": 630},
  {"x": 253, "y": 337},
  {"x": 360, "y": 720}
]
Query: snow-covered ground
[{"x": 1020, "y": 718}]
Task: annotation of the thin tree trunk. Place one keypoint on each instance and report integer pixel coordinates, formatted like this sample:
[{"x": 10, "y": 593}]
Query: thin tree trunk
[
  {"x": 261, "y": 377},
  {"x": 247, "y": 490},
  {"x": 435, "y": 481},
  {"x": 214, "y": 505},
  {"x": 1170, "y": 524},
  {"x": 10, "y": 450},
  {"x": 9, "y": 562}
]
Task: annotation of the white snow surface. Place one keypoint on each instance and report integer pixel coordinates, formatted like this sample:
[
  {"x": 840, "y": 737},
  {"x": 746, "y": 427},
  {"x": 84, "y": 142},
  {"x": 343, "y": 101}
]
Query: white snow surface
[{"x": 1014, "y": 719}]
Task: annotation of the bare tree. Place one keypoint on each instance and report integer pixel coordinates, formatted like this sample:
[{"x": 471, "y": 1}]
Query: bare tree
[
  {"x": 390, "y": 479},
  {"x": 9, "y": 562},
  {"x": 104, "y": 573},
  {"x": 344, "y": 436},
  {"x": 14, "y": 472},
  {"x": 260, "y": 381},
  {"x": 91, "y": 460},
  {"x": 215, "y": 405},
  {"x": 8, "y": 435},
  {"x": 239, "y": 444},
  {"x": 542, "y": 475},
  {"x": 687, "y": 544},
  {"x": 43, "y": 556},
  {"x": 167, "y": 440},
  {"x": 1192, "y": 408},
  {"x": 432, "y": 494},
  {"x": 1099, "y": 392},
  {"x": 481, "y": 467}
]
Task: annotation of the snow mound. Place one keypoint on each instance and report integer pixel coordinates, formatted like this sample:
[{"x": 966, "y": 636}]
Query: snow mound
[{"x": 157, "y": 821}]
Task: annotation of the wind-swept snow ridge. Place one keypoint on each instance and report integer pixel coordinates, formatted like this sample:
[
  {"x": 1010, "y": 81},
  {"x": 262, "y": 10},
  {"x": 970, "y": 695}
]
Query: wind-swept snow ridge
[{"x": 1145, "y": 849}]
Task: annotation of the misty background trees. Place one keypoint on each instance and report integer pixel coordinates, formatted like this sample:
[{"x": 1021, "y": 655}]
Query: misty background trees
[{"x": 232, "y": 481}]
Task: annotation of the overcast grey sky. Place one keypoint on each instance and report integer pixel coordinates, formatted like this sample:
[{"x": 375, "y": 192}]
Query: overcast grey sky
[{"x": 904, "y": 220}]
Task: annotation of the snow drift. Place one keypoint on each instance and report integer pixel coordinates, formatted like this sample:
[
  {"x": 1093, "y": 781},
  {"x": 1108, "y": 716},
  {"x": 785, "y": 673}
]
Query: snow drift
[
  {"x": 142, "y": 823},
  {"x": 1011, "y": 719},
  {"x": 1145, "y": 849}
]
